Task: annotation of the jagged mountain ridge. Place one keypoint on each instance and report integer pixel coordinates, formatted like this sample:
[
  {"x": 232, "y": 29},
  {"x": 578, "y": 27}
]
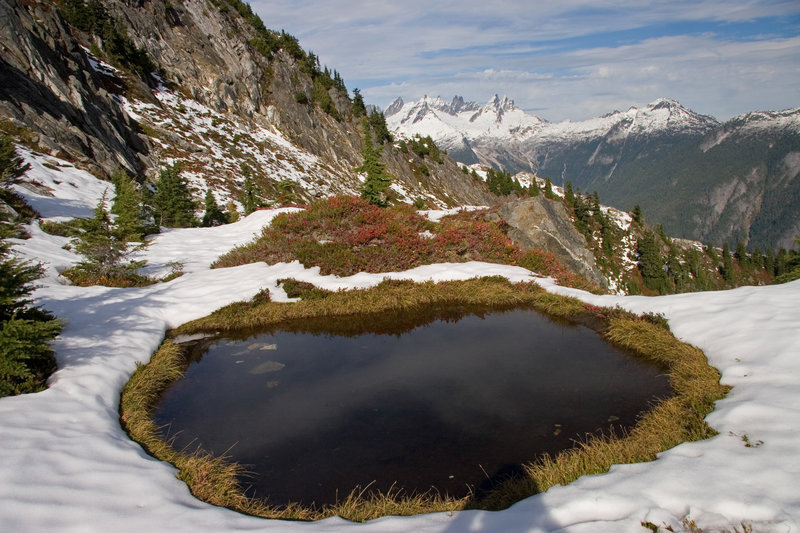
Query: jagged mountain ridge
[
  {"x": 500, "y": 118},
  {"x": 702, "y": 179},
  {"x": 220, "y": 101},
  {"x": 455, "y": 126}
]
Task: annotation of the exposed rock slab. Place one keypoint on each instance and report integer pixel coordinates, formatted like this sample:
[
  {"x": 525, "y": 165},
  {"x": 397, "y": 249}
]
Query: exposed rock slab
[{"x": 541, "y": 223}]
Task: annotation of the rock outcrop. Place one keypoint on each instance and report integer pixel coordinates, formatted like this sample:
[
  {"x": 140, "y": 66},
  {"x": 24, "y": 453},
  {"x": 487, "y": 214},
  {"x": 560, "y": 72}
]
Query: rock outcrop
[
  {"x": 49, "y": 87},
  {"x": 545, "y": 224}
]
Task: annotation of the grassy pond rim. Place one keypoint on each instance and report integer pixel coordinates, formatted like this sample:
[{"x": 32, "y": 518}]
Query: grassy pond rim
[{"x": 673, "y": 420}]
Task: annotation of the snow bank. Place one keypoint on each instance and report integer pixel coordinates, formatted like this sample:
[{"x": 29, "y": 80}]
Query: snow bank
[
  {"x": 57, "y": 189},
  {"x": 66, "y": 465}
]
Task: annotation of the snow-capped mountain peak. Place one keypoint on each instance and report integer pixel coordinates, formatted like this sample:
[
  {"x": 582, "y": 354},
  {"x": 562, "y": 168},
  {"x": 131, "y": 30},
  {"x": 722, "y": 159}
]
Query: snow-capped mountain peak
[
  {"x": 501, "y": 104},
  {"x": 459, "y": 123},
  {"x": 452, "y": 124},
  {"x": 787, "y": 119},
  {"x": 458, "y": 105},
  {"x": 394, "y": 107},
  {"x": 666, "y": 113},
  {"x": 496, "y": 108}
]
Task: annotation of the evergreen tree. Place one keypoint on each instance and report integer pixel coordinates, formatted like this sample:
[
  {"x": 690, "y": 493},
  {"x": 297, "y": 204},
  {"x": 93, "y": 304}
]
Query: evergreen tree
[
  {"x": 286, "y": 191},
  {"x": 727, "y": 263},
  {"x": 322, "y": 97},
  {"x": 636, "y": 214},
  {"x": 607, "y": 234},
  {"x": 651, "y": 264},
  {"x": 699, "y": 274},
  {"x": 16, "y": 279},
  {"x": 711, "y": 252},
  {"x": 501, "y": 183},
  {"x": 104, "y": 247},
  {"x": 662, "y": 233},
  {"x": 91, "y": 16},
  {"x": 757, "y": 259},
  {"x": 595, "y": 203},
  {"x": 338, "y": 82},
  {"x": 741, "y": 255},
  {"x": 583, "y": 215},
  {"x": 310, "y": 64},
  {"x": 359, "y": 109},
  {"x": 534, "y": 190},
  {"x": 132, "y": 215},
  {"x": 569, "y": 194},
  {"x": 793, "y": 263},
  {"x": 251, "y": 195},
  {"x": 11, "y": 165},
  {"x": 425, "y": 146},
  {"x": 769, "y": 262},
  {"x": 26, "y": 357},
  {"x": 377, "y": 122},
  {"x": 377, "y": 181},
  {"x": 548, "y": 190},
  {"x": 788, "y": 265},
  {"x": 780, "y": 262},
  {"x": 675, "y": 269},
  {"x": 173, "y": 201},
  {"x": 213, "y": 215}
]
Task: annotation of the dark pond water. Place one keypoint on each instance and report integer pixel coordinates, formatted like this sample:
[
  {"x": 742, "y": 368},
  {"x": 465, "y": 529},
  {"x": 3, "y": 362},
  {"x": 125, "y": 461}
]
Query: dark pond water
[{"x": 319, "y": 408}]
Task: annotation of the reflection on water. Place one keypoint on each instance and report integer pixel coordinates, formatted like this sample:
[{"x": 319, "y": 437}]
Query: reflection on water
[{"x": 320, "y": 407}]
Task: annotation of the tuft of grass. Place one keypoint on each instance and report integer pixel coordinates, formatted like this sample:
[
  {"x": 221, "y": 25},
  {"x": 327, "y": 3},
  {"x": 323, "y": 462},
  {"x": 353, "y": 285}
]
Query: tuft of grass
[
  {"x": 688, "y": 525},
  {"x": 545, "y": 263},
  {"x": 125, "y": 276},
  {"x": 302, "y": 289},
  {"x": 673, "y": 420},
  {"x": 69, "y": 228},
  {"x": 120, "y": 278},
  {"x": 361, "y": 504},
  {"x": 390, "y": 295}
]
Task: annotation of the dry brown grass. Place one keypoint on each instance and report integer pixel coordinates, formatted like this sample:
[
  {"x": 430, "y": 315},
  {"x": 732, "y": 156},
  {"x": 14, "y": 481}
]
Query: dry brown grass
[
  {"x": 362, "y": 504},
  {"x": 677, "y": 419},
  {"x": 390, "y": 295}
]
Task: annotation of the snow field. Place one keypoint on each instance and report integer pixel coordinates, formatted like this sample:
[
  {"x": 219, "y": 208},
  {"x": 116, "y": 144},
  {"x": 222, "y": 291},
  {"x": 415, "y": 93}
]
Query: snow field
[{"x": 66, "y": 465}]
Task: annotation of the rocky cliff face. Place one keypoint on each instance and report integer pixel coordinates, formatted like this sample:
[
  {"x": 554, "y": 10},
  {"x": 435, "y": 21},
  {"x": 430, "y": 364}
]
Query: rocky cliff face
[
  {"x": 545, "y": 224},
  {"x": 221, "y": 102},
  {"x": 49, "y": 87},
  {"x": 201, "y": 49}
]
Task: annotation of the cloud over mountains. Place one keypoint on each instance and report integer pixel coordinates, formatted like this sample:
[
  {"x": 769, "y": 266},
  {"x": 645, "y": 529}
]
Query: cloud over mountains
[{"x": 565, "y": 60}]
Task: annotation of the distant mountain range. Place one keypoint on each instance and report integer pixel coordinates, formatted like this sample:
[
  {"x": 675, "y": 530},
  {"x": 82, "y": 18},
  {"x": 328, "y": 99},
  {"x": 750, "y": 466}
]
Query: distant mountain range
[{"x": 702, "y": 179}]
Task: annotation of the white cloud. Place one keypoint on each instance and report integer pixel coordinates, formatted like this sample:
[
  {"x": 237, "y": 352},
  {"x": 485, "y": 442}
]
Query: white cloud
[{"x": 551, "y": 56}]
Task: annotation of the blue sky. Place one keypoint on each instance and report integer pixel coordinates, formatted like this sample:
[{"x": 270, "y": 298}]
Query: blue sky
[{"x": 566, "y": 59}]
